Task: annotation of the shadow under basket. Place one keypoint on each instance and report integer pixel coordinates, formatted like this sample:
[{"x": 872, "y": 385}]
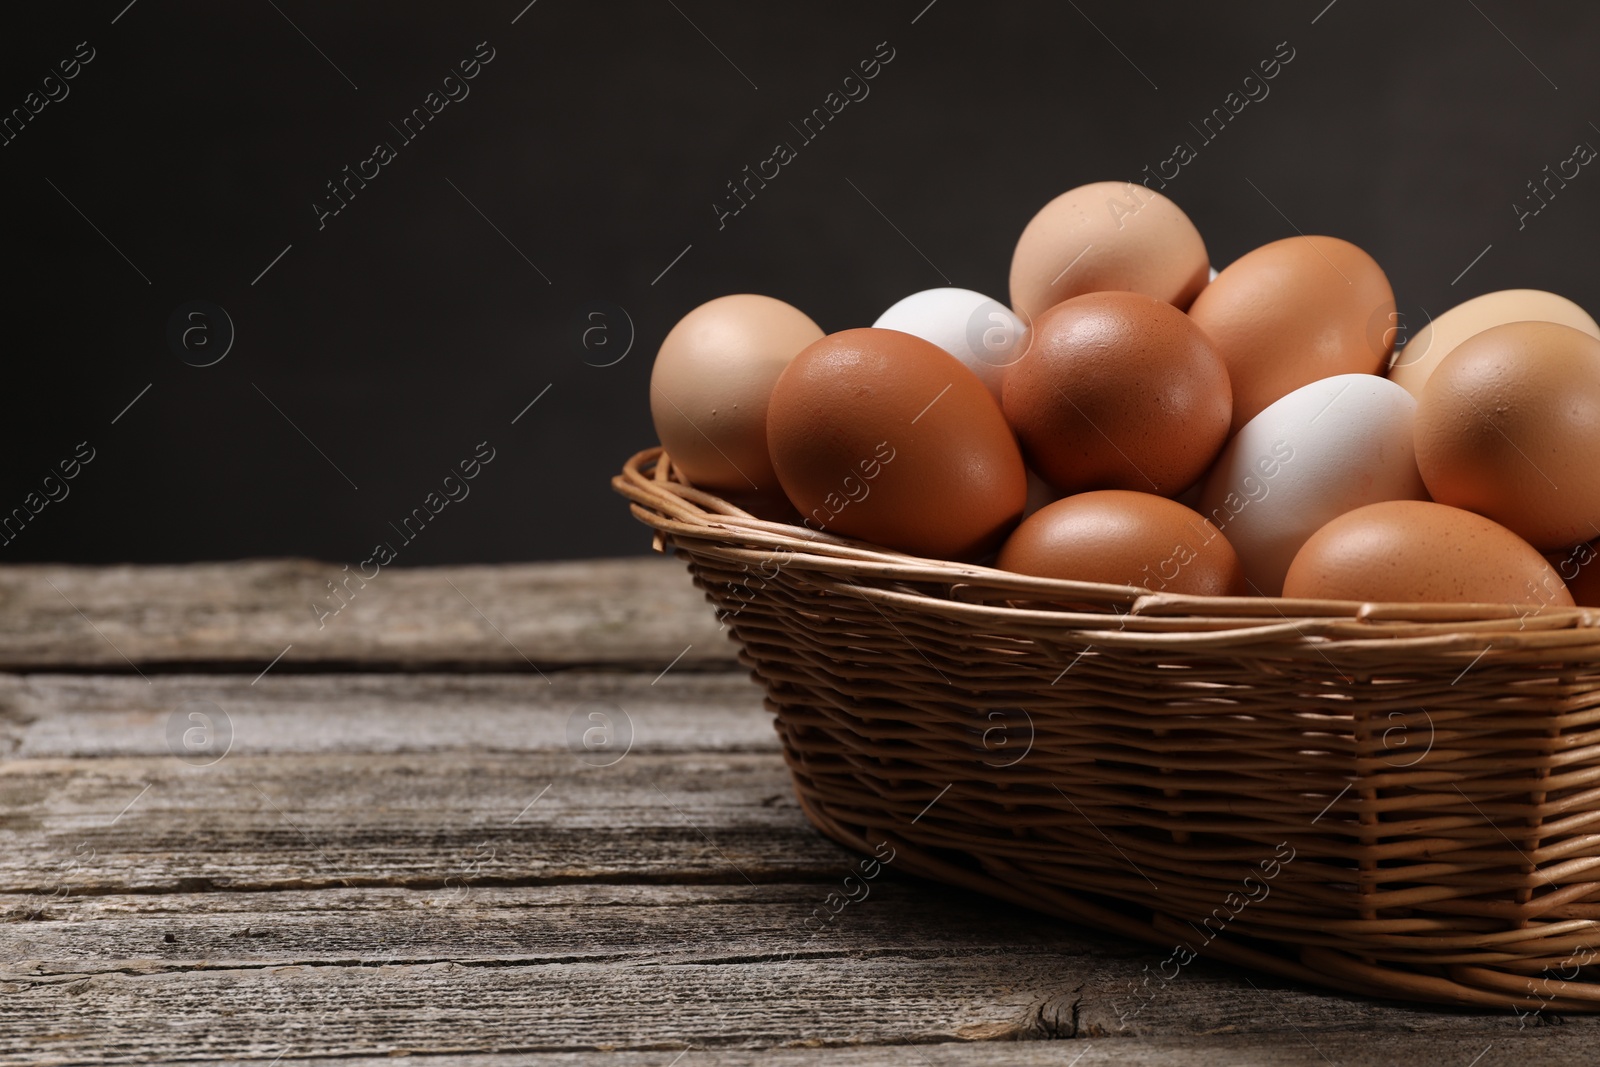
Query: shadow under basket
[{"x": 1399, "y": 800}]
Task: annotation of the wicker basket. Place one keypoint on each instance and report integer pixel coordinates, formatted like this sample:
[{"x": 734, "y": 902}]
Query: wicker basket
[{"x": 1392, "y": 799}]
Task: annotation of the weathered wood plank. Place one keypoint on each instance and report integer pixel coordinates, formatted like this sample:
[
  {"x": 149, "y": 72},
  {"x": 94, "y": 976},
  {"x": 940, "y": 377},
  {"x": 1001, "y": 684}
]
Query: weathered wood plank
[
  {"x": 322, "y": 1012},
  {"x": 707, "y": 964},
  {"x": 1554, "y": 1047},
  {"x": 156, "y": 824},
  {"x": 713, "y": 967},
  {"x": 626, "y": 924},
  {"x": 56, "y": 715},
  {"x": 640, "y": 612}
]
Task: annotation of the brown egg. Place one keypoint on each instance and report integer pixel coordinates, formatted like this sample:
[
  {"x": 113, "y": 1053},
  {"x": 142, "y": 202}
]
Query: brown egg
[
  {"x": 1107, "y": 235},
  {"x": 1576, "y": 566},
  {"x": 1509, "y": 426},
  {"x": 1419, "y": 551},
  {"x": 1294, "y": 312},
  {"x": 1125, "y": 538},
  {"x": 885, "y": 437},
  {"x": 710, "y": 384},
  {"x": 1118, "y": 391}
]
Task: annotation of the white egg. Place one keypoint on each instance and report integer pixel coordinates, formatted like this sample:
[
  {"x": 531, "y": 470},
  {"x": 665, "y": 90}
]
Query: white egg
[
  {"x": 1327, "y": 448},
  {"x": 978, "y": 330}
]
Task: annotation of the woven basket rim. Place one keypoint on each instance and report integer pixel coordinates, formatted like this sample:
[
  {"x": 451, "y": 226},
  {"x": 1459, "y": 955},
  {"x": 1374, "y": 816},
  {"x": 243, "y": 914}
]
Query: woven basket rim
[{"x": 662, "y": 498}]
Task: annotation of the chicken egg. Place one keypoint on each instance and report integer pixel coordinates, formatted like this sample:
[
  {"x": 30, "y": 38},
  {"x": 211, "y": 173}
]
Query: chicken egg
[
  {"x": 1294, "y": 312},
  {"x": 981, "y": 332},
  {"x": 710, "y": 386},
  {"x": 882, "y": 436},
  {"x": 1107, "y": 235},
  {"x": 1326, "y": 448},
  {"x": 1118, "y": 390},
  {"x": 1509, "y": 426},
  {"x": 1419, "y": 551},
  {"x": 1125, "y": 538}
]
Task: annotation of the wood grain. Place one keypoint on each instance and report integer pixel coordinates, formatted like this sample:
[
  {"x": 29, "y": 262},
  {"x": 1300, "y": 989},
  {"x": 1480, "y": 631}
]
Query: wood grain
[
  {"x": 146, "y": 933},
  {"x": 155, "y": 824},
  {"x": 395, "y": 1009},
  {"x": 1551, "y": 1047},
  {"x": 521, "y": 617},
  {"x": 55, "y": 715},
  {"x": 380, "y": 972}
]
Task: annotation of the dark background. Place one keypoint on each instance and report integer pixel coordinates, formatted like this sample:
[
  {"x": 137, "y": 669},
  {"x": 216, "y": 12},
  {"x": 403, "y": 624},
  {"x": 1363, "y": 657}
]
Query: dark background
[{"x": 408, "y": 330}]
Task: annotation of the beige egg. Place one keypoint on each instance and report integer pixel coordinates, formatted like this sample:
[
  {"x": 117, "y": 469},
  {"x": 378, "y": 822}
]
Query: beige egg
[
  {"x": 711, "y": 384},
  {"x": 1107, "y": 235},
  {"x": 1412, "y": 364}
]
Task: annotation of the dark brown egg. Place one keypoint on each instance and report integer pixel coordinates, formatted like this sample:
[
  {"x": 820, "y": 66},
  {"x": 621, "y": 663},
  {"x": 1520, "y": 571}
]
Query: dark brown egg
[
  {"x": 1118, "y": 390},
  {"x": 1125, "y": 538},
  {"x": 885, "y": 437}
]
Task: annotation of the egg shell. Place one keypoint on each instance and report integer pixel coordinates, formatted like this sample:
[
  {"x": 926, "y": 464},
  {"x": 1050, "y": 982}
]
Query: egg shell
[
  {"x": 1509, "y": 426},
  {"x": 882, "y": 436},
  {"x": 1107, "y": 235},
  {"x": 1294, "y": 312},
  {"x": 1325, "y": 449},
  {"x": 1125, "y": 538},
  {"x": 1118, "y": 390},
  {"x": 1413, "y": 364},
  {"x": 1418, "y": 551},
  {"x": 981, "y": 332},
  {"x": 711, "y": 382}
]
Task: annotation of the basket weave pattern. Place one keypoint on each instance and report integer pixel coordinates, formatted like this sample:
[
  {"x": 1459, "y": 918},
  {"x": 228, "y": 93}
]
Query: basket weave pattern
[{"x": 1400, "y": 800}]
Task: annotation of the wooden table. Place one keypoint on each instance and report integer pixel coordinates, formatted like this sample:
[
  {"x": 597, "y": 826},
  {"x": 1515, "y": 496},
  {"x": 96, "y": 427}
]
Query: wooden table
[{"x": 406, "y": 848}]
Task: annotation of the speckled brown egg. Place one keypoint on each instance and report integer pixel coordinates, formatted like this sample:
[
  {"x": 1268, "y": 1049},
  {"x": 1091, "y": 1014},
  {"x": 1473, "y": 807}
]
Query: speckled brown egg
[
  {"x": 1118, "y": 390},
  {"x": 1509, "y": 426},
  {"x": 1125, "y": 538},
  {"x": 1294, "y": 312},
  {"x": 1421, "y": 551},
  {"x": 882, "y": 436},
  {"x": 710, "y": 384},
  {"x": 1107, "y": 235}
]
